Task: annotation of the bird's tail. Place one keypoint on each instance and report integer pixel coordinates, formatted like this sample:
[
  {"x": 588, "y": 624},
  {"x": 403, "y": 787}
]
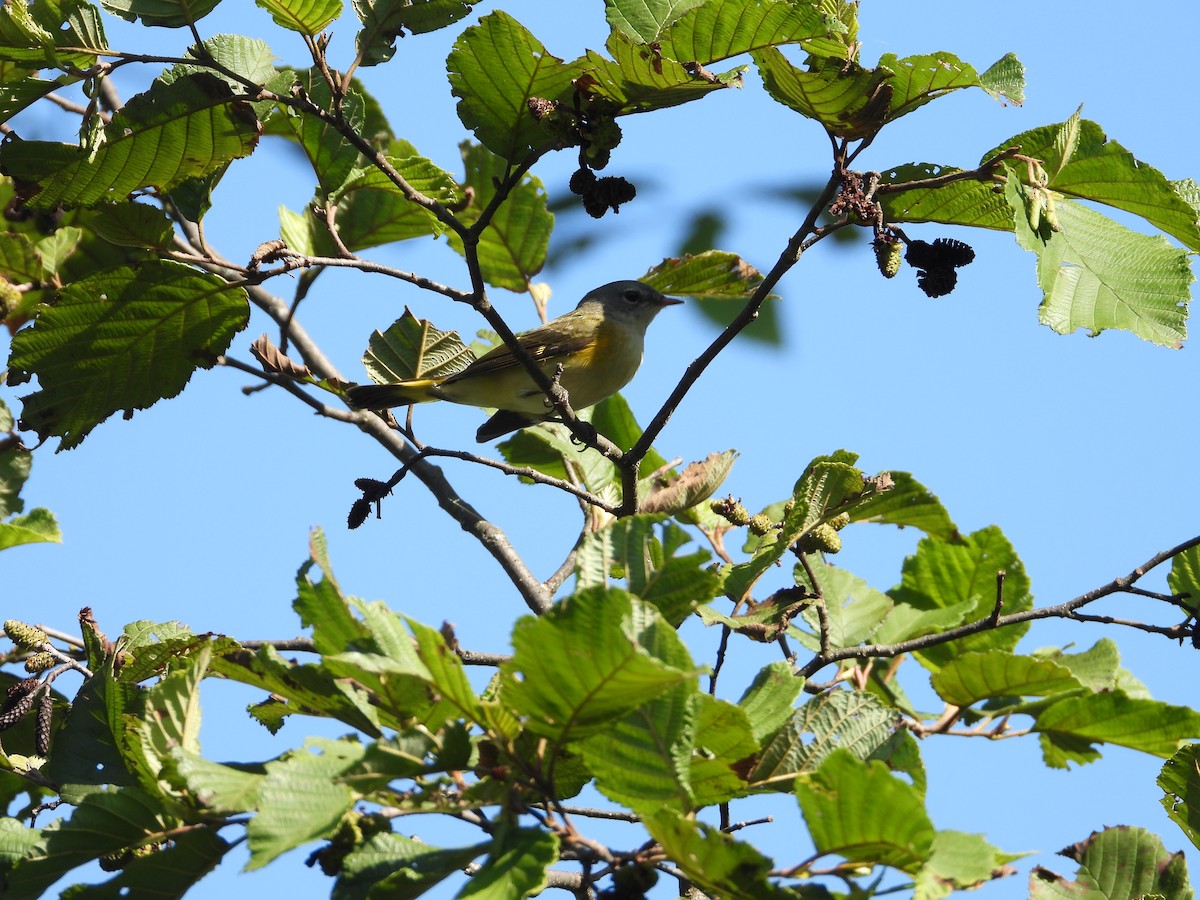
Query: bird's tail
[{"x": 381, "y": 396}]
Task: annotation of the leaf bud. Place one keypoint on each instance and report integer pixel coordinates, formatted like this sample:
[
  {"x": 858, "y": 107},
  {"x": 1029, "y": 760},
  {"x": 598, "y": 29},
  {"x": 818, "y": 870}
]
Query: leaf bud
[{"x": 821, "y": 537}]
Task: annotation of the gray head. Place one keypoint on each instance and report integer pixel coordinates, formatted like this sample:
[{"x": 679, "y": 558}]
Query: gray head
[{"x": 630, "y": 301}]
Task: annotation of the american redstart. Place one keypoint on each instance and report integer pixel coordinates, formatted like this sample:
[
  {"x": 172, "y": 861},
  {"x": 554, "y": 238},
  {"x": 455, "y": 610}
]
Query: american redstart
[{"x": 598, "y": 343}]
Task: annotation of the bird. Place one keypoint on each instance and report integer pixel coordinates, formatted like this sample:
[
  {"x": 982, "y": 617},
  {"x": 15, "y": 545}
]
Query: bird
[{"x": 598, "y": 344}]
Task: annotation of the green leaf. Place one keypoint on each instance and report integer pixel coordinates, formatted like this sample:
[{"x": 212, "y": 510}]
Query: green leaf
[
  {"x": 1120, "y": 863},
  {"x": 849, "y": 100},
  {"x": 966, "y": 202},
  {"x": 309, "y": 17},
  {"x": 495, "y": 68},
  {"x": 1005, "y": 79},
  {"x": 711, "y": 275},
  {"x": 720, "y": 29},
  {"x": 854, "y": 721},
  {"x": 716, "y": 862},
  {"x": 123, "y": 339},
  {"x": 384, "y": 20},
  {"x": 300, "y": 688},
  {"x": 1184, "y": 577},
  {"x": 20, "y": 261},
  {"x": 724, "y": 741},
  {"x": 103, "y": 822},
  {"x": 854, "y": 610},
  {"x": 35, "y": 35},
  {"x": 396, "y": 866},
  {"x": 920, "y": 79},
  {"x": 962, "y": 862},
  {"x": 248, "y": 57},
  {"x": 859, "y": 811},
  {"x": 38, "y": 526},
  {"x": 644, "y": 20},
  {"x": 515, "y": 867},
  {"x": 55, "y": 249},
  {"x": 597, "y": 656},
  {"x": 168, "y": 871},
  {"x": 675, "y": 585},
  {"x": 163, "y": 13},
  {"x": 15, "y": 464},
  {"x": 18, "y": 95},
  {"x": 941, "y": 576},
  {"x": 1082, "y": 162},
  {"x": 1098, "y": 668},
  {"x": 301, "y": 799},
  {"x": 1097, "y": 274},
  {"x": 638, "y": 80},
  {"x": 331, "y": 156},
  {"x": 907, "y": 503},
  {"x": 1116, "y": 718},
  {"x": 768, "y": 700},
  {"x": 224, "y": 790},
  {"x": 413, "y": 348},
  {"x": 972, "y": 677},
  {"x": 829, "y": 485},
  {"x": 1180, "y": 782},
  {"x": 643, "y": 759},
  {"x": 160, "y": 139},
  {"x": 512, "y": 248},
  {"x": 133, "y": 225}
]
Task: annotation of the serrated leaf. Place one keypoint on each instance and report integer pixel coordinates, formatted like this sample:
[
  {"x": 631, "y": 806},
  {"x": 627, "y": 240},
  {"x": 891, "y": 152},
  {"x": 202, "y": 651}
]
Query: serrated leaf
[
  {"x": 940, "y": 576},
  {"x": 642, "y": 759},
  {"x": 854, "y": 610},
  {"x": 103, "y": 822},
  {"x": 1180, "y": 782},
  {"x": 167, "y": 871},
  {"x": 331, "y": 156},
  {"x": 852, "y": 721},
  {"x": 907, "y": 503},
  {"x": 123, "y": 339},
  {"x": 159, "y": 139},
  {"x": 720, "y": 29},
  {"x": 384, "y": 20},
  {"x": 1184, "y": 577},
  {"x": 1081, "y": 161},
  {"x": 1005, "y": 79},
  {"x": 134, "y": 225},
  {"x": 222, "y": 790},
  {"x": 399, "y": 866},
  {"x": 972, "y": 677},
  {"x": 1121, "y": 863},
  {"x": 920, "y": 79},
  {"x": 711, "y": 275},
  {"x": 512, "y": 249},
  {"x": 413, "y": 348},
  {"x": 961, "y": 861},
  {"x": 637, "y": 79},
  {"x": 596, "y": 656},
  {"x": 37, "y": 35},
  {"x": 674, "y": 584},
  {"x": 495, "y": 68},
  {"x": 248, "y": 57},
  {"x": 301, "y": 798},
  {"x": 20, "y": 261},
  {"x": 1116, "y": 718},
  {"x": 965, "y": 202},
  {"x": 309, "y": 17},
  {"x": 38, "y": 526},
  {"x": 716, "y": 862},
  {"x": 163, "y": 13},
  {"x": 769, "y": 698},
  {"x": 55, "y": 249},
  {"x": 849, "y": 100},
  {"x": 859, "y": 811},
  {"x": 1097, "y": 274},
  {"x": 516, "y": 865},
  {"x": 644, "y": 20}
]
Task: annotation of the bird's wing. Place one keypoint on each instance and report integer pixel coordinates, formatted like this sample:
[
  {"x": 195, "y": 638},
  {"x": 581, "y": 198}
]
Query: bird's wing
[{"x": 543, "y": 344}]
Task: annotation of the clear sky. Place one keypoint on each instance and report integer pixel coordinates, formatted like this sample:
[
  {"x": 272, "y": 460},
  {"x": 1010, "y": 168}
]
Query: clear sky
[{"x": 1081, "y": 450}]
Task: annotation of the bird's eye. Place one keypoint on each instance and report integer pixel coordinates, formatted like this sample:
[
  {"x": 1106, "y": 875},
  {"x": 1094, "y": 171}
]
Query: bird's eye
[{"x": 632, "y": 295}]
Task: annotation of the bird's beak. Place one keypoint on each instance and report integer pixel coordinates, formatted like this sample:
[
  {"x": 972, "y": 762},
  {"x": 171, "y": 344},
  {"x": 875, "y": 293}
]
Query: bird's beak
[{"x": 669, "y": 301}]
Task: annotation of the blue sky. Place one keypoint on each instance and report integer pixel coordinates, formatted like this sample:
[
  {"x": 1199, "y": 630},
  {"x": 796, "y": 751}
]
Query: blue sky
[{"x": 1079, "y": 449}]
